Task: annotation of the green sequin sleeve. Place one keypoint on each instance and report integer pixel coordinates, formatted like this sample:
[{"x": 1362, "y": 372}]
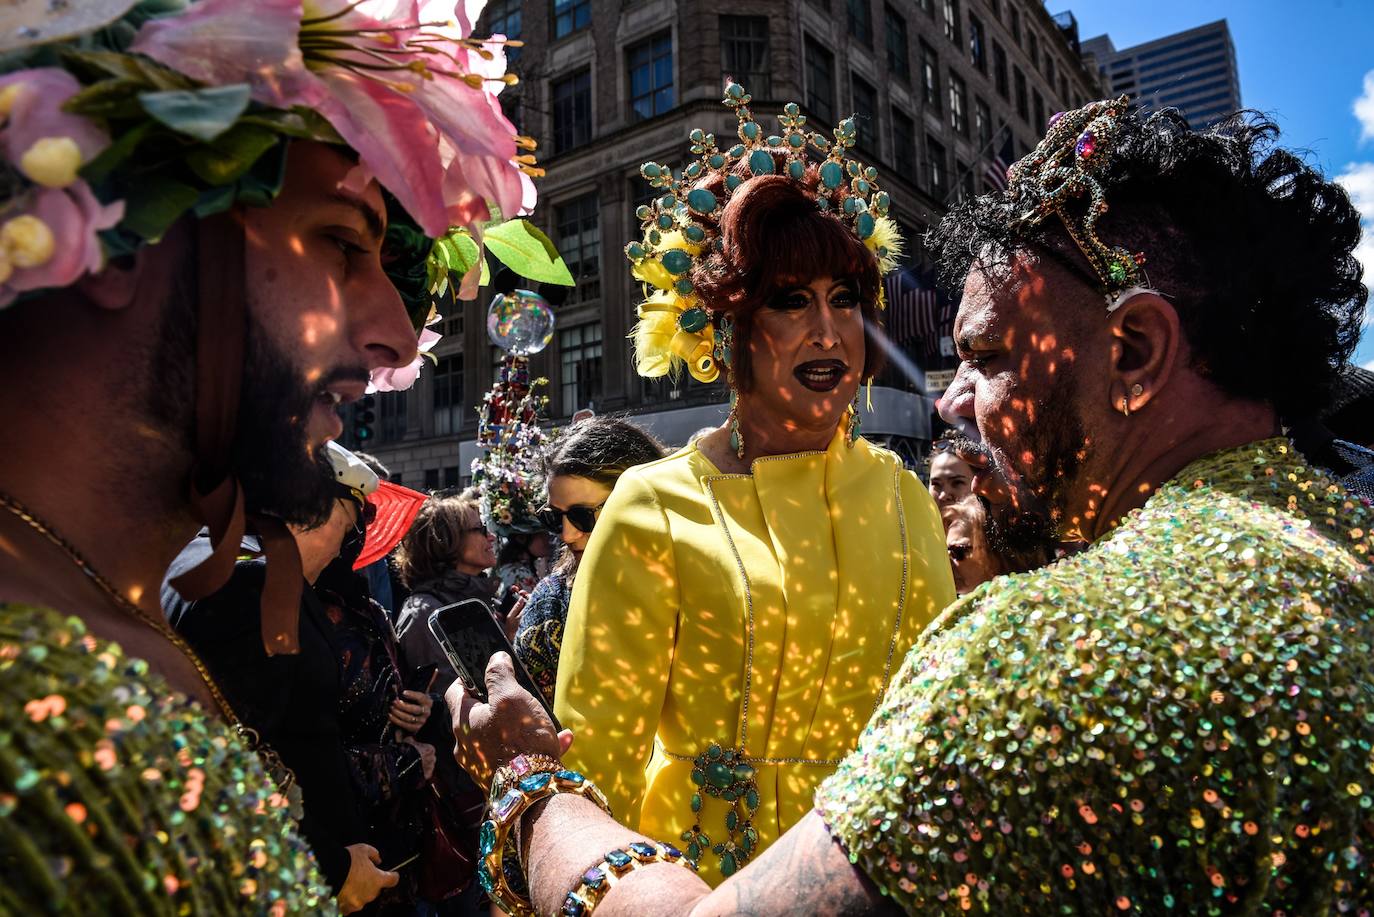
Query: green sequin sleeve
[
  {"x": 1179, "y": 720},
  {"x": 118, "y": 796}
]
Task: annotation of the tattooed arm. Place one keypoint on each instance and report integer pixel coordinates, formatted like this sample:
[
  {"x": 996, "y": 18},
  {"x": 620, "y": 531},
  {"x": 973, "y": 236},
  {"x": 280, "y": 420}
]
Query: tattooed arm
[{"x": 804, "y": 872}]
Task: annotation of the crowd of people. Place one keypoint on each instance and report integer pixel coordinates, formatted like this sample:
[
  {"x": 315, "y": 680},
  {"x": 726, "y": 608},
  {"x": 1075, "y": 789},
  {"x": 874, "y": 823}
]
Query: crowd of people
[{"x": 1113, "y": 656}]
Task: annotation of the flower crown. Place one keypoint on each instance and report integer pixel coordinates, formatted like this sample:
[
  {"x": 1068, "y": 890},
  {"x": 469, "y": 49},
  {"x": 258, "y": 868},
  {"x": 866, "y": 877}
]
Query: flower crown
[
  {"x": 1062, "y": 168},
  {"x": 119, "y": 117},
  {"x": 680, "y": 226}
]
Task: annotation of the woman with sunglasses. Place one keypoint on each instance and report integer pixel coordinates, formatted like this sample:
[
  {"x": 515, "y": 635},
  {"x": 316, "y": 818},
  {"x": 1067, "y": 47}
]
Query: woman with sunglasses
[{"x": 581, "y": 471}]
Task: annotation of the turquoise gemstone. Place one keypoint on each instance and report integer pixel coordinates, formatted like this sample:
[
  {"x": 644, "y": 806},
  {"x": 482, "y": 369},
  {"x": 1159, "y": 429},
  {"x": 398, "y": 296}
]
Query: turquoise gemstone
[
  {"x": 667, "y": 202},
  {"x": 642, "y": 212},
  {"x": 635, "y": 251},
  {"x": 737, "y": 151},
  {"x": 694, "y": 233},
  {"x": 883, "y": 201},
  {"x": 693, "y": 320},
  {"x": 618, "y": 858},
  {"x": 751, "y": 799},
  {"x": 749, "y": 130},
  {"x": 683, "y": 287},
  {"x": 761, "y": 162},
  {"x": 735, "y": 91},
  {"x": 792, "y": 109},
  {"x": 676, "y": 261},
  {"x": 832, "y": 175},
  {"x": 697, "y": 135},
  {"x": 665, "y": 221},
  {"x": 650, "y": 170},
  {"x": 871, "y": 173},
  {"x": 535, "y": 782},
  {"x": 727, "y": 864},
  {"x": 731, "y": 820},
  {"x": 713, "y": 751},
  {"x": 865, "y": 225},
  {"x": 716, "y": 161},
  {"x": 751, "y": 837},
  {"x": 486, "y": 838},
  {"x": 797, "y": 169},
  {"x": 696, "y": 802},
  {"x": 862, "y": 187},
  {"x": 654, "y": 237},
  {"x": 744, "y": 773},
  {"x": 701, "y": 200},
  {"x": 821, "y": 144},
  {"x": 572, "y": 777},
  {"x": 852, "y": 168},
  {"x": 822, "y": 203},
  {"x": 851, "y": 204},
  {"x": 486, "y": 880},
  {"x": 775, "y": 140},
  {"x": 693, "y": 851},
  {"x": 698, "y": 776},
  {"x": 718, "y": 775},
  {"x": 796, "y": 141},
  {"x": 732, "y": 182},
  {"x": 693, "y": 171}
]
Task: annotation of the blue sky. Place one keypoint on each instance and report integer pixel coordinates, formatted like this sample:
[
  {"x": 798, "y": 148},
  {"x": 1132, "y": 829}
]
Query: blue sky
[{"x": 1303, "y": 61}]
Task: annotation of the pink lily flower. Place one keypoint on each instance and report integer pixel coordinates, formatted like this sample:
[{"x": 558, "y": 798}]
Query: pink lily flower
[{"x": 398, "y": 380}]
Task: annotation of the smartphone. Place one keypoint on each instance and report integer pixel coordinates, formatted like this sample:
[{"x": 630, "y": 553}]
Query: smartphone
[
  {"x": 422, "y": 677},
  {"x": 470, "y": 636},
  {"x": 507, "y": 603}
]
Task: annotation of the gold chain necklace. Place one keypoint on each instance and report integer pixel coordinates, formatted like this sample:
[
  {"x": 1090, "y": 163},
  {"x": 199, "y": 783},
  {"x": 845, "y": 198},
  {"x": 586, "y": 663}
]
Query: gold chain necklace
[{"x": 276, "y": 768}]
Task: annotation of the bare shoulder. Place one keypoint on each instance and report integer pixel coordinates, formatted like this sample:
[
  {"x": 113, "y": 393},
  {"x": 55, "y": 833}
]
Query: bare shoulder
[{"x": 805, "y": 872}]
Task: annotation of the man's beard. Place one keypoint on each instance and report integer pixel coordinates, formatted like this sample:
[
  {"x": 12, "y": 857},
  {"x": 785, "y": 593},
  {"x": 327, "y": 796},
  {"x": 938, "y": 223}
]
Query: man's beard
[{"x": 282, "y": 473}]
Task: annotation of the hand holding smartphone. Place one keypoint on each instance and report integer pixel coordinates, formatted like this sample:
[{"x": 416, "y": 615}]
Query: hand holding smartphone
[{"x": 469, "y": 636}]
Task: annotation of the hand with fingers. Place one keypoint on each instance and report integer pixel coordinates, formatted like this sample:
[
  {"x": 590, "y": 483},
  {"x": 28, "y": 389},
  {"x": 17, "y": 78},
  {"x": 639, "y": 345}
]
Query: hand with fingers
[
  {"x": 511, "y": 723},
  {"x": 510, "y": 623},
  {"x": 365, "y": 879},
  {"x": 410, "y": 711}
]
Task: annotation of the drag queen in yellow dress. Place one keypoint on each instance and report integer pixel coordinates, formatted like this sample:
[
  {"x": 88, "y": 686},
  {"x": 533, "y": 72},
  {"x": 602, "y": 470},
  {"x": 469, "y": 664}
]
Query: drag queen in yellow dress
[{"x": 743, "y": 602}]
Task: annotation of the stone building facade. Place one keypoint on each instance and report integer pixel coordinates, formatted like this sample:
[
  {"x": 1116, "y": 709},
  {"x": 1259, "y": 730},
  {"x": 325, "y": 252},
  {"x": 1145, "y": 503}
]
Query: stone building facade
[{"x": 940, "y": 88}]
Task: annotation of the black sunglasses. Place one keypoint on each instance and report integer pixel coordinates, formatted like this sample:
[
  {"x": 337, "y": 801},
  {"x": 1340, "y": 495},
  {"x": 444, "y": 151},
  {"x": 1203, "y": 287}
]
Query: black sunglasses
[{"x": 583, "y": 518}]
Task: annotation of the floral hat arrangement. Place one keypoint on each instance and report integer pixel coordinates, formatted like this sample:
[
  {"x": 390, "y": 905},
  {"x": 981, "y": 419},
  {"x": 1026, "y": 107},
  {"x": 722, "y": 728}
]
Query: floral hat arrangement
[
  {"x": 121, "y": 116},
  {"x": 509, "y": 475}
]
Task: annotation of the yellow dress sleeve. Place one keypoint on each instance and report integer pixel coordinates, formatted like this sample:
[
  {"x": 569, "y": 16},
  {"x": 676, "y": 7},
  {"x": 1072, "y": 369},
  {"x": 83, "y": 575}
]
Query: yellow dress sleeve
[
  {"x": 618, "y": 645},
  {"x": 932, "y": 578}
]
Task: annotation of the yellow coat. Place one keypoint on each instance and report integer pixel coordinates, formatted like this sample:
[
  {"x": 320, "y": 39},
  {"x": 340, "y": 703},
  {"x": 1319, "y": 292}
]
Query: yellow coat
[{"x": 840, "y": 557}]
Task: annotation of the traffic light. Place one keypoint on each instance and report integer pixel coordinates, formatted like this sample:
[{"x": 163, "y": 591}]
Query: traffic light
[{"x": 364, "y": 416}]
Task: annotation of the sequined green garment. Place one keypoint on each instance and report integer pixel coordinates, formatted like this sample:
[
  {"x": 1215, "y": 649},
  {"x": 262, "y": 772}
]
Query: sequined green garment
[
  {"x": 1177, "y": 721},
  {"x": 119, "y": 796}
]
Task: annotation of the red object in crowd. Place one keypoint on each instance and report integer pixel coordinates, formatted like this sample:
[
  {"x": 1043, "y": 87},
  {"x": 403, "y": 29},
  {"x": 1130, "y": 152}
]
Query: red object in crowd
[{"x": 396, "y": 507}]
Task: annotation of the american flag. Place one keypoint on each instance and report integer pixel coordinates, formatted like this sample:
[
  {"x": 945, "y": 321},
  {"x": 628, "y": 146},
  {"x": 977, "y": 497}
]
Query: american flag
[
  {"x": 912, "y": 310},
  {"x": 995, "y": 176}
]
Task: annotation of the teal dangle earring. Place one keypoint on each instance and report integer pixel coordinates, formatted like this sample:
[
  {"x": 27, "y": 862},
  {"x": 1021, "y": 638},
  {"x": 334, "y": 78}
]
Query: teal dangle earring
[
  {"x": 851, "y": 430},
  {"x": 724, "y": 351}
]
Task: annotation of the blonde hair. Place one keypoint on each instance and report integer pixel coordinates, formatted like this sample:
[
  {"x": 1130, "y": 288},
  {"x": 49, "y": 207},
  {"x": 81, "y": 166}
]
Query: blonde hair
[{"x": 431, "y": 547}]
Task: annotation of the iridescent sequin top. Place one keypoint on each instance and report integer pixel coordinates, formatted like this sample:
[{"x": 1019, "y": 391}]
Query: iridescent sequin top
[
  {"x": 1177, "y": 721},
  {"x": 120, "y": 796}
]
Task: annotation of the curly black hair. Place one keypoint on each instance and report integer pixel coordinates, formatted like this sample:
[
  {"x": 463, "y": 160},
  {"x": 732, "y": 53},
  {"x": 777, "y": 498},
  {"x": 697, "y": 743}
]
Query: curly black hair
[{"x": 1252, "y": 246}]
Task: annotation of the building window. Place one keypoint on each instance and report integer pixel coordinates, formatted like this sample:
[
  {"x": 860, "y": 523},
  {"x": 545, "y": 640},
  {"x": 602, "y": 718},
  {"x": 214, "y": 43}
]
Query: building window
[
  {"x": 936, "y": 166},
  {"x": 744, "y": 53},
  {"x": 1022, "y": 101},
  {"x": 580, "y": 367},
  {"x": 451, "y": 477},
  {"x": 977, "y": 53},
  {"x": 898, "y": 63},
  {"x": 448, "y": 395},
  {"x": 510, "y": 107},
  {"x": 952, "y": 30},
  {"x": 930, "y": 76},
  {"x": 1033, "y": 49},
  {"x": 503, "y": 18},
  {"x": 866, "y": 112},
  {"x": 1016, "y": 26},
  {"x": 999, "y": 70},
  {"x": 958, "y": 105},
  {"x": 1049, "y": 68},
  {"x": 820, "y": 81},
  {"x": 996, "y": 7},
  {"x": 1039, "y": 106},
  {"x": 965, "y": 180},
  {"x": 860, "y": 20},
  {"x": 572, "y": 111},
  {"x": 391, "y": 416},
  {"x": 904, "y": 145},
  {"x": 571, "y": 16},
  {"x": 1063, "y": 90},
  {"x": 651, "y": 77},
  {"x": 982, "y": 123},
  {"x": 577, "y": 227},
  {"x": 927, "y": 7},
  {"x": 431, "y": 479}
]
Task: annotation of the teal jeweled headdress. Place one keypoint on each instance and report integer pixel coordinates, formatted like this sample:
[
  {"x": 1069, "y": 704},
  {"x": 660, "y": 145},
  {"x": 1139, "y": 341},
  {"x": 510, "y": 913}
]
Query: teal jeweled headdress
[{"x": 680, "y": 226}]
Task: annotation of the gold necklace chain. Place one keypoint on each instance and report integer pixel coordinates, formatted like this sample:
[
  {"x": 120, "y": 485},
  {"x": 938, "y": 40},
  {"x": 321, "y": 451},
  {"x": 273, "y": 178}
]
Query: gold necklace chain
[{"x": 276, "y": 768}]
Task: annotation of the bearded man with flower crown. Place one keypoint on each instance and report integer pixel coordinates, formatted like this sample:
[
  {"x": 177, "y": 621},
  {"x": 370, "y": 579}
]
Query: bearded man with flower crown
[{"x": 221, "y": 219}]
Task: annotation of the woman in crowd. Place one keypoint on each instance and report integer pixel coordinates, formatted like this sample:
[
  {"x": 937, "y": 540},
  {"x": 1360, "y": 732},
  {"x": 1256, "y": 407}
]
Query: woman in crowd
[
  {"x": 443, "y": 559},
  {"x": 523, "y": 561},
  {"x": 581, "y": 471},
  {"x": 744, "y": 601},
  {"x": 951, "y": 478}
]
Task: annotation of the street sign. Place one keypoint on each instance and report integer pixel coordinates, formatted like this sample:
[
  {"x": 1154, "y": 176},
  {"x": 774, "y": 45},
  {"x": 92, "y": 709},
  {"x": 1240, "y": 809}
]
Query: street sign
[{"x": 937, "y": 380}]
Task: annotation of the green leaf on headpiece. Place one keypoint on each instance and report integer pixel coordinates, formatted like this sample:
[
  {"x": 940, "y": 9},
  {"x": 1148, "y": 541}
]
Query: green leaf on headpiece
[
  {"x": 201, "y": 113},
  {"x": 231, "y": 154},
  {"x": 155, "y": 203},
  {"x": 527, "y": 251},
  {"x": 117, "y": 98},
  {"x": 114, "y": 155},
  {"x": 301, "y": 123},
  {"x": 93, "y": 66},
  {"x": 456, "y": 252}
]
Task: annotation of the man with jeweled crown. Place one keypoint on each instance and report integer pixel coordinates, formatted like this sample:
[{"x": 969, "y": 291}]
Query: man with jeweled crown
[
  {"x": 1179, "y": 718},
  {"x": 221, "y": 220}
]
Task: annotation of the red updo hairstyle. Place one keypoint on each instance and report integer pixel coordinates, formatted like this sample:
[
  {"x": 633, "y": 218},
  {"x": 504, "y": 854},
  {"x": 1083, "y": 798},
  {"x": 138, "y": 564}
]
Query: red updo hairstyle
[{"x": 775, "y": 238}]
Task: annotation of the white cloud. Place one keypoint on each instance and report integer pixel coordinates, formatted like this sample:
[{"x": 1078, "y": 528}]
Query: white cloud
[
  {"x": 1370, "y": 366},
  {"x": 1358, "y": 181},
  {"x": 1364, "y": 108}
]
